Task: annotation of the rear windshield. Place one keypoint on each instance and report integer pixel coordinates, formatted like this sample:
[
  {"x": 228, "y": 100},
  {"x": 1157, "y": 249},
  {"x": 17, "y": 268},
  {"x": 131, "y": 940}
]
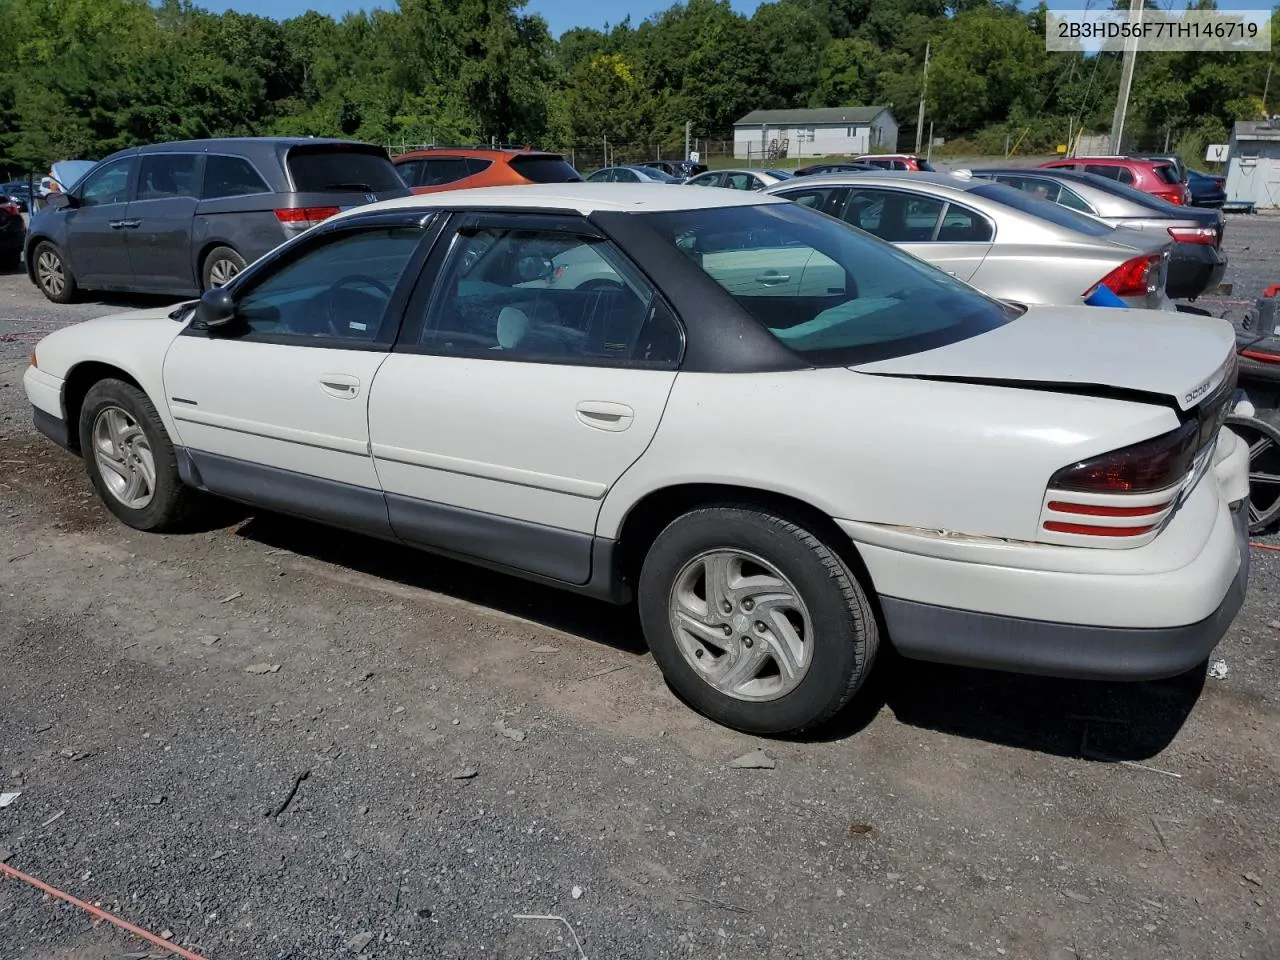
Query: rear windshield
[
  {"x": 548, "y": 169},
  {"x": 1148, "y": 200},
  {"x": 1168, "y": 174},
  {"x": 1044, "y": 209},
  {"x": 825, "y": 290},
  {"x": 342, "y": 171}
]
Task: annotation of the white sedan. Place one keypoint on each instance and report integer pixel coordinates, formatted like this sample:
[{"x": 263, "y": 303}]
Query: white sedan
[{"x": 783, "y": 476}]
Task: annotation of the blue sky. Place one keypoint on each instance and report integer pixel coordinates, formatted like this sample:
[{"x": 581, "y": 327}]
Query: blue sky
[{"x": 561, "y": 15}]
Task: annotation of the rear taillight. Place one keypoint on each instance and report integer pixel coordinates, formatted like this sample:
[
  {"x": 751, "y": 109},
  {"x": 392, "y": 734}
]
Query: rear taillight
[
  {"x": 297, "y": 219},
  {"x": 1126, "y": 493},
  {"x": 11, "y": 208},
  {"x": 1172, "y": 196},
  {"x": 1146, "y": 467},
  {"x": 1131, "y": 279},
  {"x": 1194, "y": 234}
]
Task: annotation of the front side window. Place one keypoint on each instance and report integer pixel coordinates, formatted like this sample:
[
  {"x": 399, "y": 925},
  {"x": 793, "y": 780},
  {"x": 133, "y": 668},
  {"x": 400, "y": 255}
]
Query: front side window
[
  {"x": 827, "y": 199},
  {"x": 339, "y": 289},
  {"x": 706, "y": 180},
  {"x": 109, "y": 184},
  {"x": 549, "y": 296},
  {"x": 167, "y": 175},
  {"x": 601, "y": 176},
  {"x": 743, "y": 181},
  {"x": 856, "y": 298}
]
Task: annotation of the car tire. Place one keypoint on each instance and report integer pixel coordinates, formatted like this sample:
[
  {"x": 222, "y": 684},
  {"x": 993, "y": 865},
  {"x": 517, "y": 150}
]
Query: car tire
[
  {"x": 797, "y": 638},
  {"x": 1263, "y": 441},
  {"x": 53, "y": 276},
  {"x": 131, "y": 461},
  {"x": 220, "y": 265}
]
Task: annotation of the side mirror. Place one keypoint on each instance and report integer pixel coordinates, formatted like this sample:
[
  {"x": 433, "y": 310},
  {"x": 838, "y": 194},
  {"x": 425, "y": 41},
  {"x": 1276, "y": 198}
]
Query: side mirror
[
  {"x": 217, "y": 308},
  {"x": 59, "y": 201}
]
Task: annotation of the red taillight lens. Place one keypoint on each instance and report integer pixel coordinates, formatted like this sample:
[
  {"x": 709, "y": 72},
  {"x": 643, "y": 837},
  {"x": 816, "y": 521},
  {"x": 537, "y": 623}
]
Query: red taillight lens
[
  {"x": 1145, "y": 467},
  {"x": 1194, "y": 234},
  {"x": 1172, "y": 196},
  {"x": 303, "y": 217},
  {"x": 11, "y": 208},
  {"x": 1130, "y": 279}
]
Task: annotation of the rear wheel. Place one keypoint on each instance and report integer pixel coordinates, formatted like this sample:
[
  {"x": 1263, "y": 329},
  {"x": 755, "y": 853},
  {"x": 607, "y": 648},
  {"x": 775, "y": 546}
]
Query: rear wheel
[
  {"x": 131, "y": 461},
  {"x": 754, "y": 620},
  {"x": 220, "y": 267},
  {"x": 1263, "y": 440},
  {"x": 52, "y": 274}
]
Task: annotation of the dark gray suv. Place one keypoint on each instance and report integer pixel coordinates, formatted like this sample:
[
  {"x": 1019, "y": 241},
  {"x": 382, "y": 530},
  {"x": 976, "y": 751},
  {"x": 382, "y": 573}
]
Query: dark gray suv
[{"x": 178, "y": 218}]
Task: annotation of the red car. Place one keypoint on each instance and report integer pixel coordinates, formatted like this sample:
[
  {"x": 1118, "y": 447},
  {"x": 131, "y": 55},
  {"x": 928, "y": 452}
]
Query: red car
[
  {"x": 1156, "y": 177},
  {"x": 896, "y": 161}
]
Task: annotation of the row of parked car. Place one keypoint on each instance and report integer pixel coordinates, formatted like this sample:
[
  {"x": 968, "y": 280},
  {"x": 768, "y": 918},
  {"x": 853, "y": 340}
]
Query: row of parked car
[
  {"x": 179, "y": 218},
  {"x": 787, "y": 442}
]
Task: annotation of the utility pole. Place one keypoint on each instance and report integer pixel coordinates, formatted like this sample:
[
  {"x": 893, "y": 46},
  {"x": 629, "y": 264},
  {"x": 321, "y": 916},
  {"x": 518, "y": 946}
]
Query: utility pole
[
  {"x": 1265, "y": 87},
  {"x": 1126, "y": 78},
  {"x": 688, "y": 132},
  {"x": 924, "y": 87}
]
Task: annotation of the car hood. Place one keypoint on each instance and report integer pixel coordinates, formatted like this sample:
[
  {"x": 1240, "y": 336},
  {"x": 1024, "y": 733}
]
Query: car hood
[{"x": 1086, "y": 349}]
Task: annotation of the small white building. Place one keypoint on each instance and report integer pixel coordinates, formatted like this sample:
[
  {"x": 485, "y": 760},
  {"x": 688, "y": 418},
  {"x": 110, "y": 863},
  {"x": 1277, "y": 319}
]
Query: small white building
[
  {"x": 821, "y": 132},
  {"x": 1253, "y": 163}
]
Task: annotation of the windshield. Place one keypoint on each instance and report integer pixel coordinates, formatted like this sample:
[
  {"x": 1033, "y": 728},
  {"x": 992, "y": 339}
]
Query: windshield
[
  {"x": 1044, "y": 209},
  {"x": 826, "y": 290},
  {"x": 780, "y": 174},
  {"x": 341, "y": 170}
]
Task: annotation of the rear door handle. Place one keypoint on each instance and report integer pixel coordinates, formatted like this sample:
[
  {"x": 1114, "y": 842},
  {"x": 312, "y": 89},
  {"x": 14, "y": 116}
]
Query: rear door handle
[
  {"x": 115, "y": 224},
  {"x": 604, "y": 415},
  {"x": 340, "y": 385},
  {"x": 773, "y": 279}
]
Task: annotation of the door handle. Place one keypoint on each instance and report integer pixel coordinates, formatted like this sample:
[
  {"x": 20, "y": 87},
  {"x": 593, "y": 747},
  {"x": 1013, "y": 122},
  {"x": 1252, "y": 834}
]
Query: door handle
[
  {"x": 603, "y": 415},
  {"x": 340, "y": 385},
  {"x": 131, "y": 224},
  {"x": 115, "y": 224},
  {"x": 773, "y": 279}
]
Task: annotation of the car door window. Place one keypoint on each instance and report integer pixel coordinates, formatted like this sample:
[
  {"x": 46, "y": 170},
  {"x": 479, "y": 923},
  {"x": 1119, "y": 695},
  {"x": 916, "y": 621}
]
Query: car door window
[
  {"x": 741, "y": 181},
  {"x": 1103, "y": 170},
  {"x": 167, "y": 175},
  {"x": 337, "y": 289},
  {"x": 1069, "y": 198},
  {"x": 625, "y": 176},
  {"x": 601, "y": 176},
  {"x": 962, "y": 225},
  {"x": 549, "y": 296},
  {"x": 441, "y": 170},
  {"x": 706, "y": 180},
  {"x": 894, "y": 215},
  {"x": 230, "y": 177},
  {"x": 110, "y": 184},
  {"x": 827, "y": 199}
]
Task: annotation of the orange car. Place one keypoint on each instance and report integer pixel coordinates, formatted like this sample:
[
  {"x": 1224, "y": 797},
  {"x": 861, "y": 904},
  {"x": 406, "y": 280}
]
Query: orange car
[{"x": 452, "y": 168}]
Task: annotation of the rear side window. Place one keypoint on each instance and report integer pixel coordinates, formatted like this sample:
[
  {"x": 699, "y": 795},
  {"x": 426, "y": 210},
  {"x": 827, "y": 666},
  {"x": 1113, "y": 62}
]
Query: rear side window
[
  {"x": 548, "y": 169},
  {"x": 437, "y": 171},
  {"x": 1167, "y": 174},
  {"x": 230, "y": 177},
  {"x": 962, "y": 225},
  {"x": 477, "y": 165},
  {"x": 927, "y": 167},
  {"x": 341, "y": 171},
  {"x": 166, "y": 175}
]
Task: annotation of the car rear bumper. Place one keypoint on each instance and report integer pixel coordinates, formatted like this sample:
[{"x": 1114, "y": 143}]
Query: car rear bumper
[
  {"x": 922, "y": 631},
  {"x": 1193, "y": 269},
  {"x": 1117, "y": 614}
]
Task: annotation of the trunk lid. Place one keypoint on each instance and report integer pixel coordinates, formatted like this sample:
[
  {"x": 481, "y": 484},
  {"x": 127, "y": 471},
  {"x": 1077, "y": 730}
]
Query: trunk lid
[{"x": 1181, "y": 357}]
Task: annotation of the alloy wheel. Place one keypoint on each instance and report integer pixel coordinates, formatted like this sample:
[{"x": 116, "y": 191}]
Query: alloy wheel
[
  {"x": 221, "y": 272},
  {"x": 50, "y": 273},
  {"x": 124, "y": 458},
  {"x": 741, "y": 625}
]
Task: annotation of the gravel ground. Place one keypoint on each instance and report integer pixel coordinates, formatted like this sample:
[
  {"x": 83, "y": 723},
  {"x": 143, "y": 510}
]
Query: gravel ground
[{"x": 477, "y": 748}]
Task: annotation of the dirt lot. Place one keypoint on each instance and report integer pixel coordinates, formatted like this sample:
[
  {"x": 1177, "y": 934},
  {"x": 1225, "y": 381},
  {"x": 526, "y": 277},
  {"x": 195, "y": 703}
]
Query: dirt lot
[{"x": 477, "y": 748}]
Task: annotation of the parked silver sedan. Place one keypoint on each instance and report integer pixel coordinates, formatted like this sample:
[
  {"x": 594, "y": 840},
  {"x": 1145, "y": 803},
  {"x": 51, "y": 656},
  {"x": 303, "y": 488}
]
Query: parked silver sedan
[
  {"x": 1197, "y": 262},
  {"x": 739, "y": 179},
  {"x": 1004, "y": 242}
]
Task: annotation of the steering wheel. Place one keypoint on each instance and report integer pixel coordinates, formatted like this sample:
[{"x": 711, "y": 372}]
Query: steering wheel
[{"x": 355, "y": 280}]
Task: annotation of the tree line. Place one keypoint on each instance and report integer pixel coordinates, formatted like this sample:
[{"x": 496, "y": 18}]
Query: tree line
[{"x": 84, "y": 77}]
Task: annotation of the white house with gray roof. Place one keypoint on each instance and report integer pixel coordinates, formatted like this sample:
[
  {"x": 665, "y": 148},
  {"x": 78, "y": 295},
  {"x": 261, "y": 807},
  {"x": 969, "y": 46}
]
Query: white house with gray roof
[{"x": 821, "y": 132}]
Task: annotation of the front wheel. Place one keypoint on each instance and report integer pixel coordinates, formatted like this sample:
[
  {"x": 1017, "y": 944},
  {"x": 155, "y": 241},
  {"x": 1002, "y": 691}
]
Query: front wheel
[
  {"x": 52, "y": 274},
  {"x": 754, "y": 620},
  {"x": 131, "y": 461}
]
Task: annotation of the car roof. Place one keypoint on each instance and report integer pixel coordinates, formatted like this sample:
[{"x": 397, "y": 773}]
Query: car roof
[
  {"x": 893, "y": 177},
  {"x": 583, "y": 198},
  {"x": 488, "y": 153}
]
